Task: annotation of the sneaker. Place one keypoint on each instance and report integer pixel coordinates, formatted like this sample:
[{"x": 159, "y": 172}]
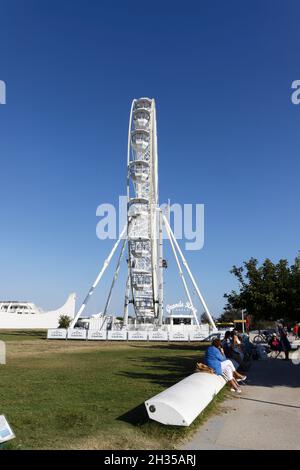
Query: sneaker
[
  {"x": 242, "y": 379},
  {"x": 236, "y": 391}
]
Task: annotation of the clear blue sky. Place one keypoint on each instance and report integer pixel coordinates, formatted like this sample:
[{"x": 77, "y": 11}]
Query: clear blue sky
[{"x": 221, "y": 74}]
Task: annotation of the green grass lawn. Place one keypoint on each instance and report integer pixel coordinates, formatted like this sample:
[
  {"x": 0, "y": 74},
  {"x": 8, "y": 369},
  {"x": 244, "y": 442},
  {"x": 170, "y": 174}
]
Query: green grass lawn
[{"x": 89, "y": 395}]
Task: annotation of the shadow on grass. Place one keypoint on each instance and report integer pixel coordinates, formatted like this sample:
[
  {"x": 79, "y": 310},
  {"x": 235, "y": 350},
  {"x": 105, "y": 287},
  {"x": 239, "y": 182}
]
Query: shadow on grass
[
  {"x": 163, "y": 371},
  {"x": 6, "y": 446},
  {"x": 173, "y": 346},
  {"x": 138, "y": 416}
]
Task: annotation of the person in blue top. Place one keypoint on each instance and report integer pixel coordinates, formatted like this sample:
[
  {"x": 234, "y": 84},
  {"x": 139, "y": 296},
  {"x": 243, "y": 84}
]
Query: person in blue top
[{"x": 216, "y": 359}]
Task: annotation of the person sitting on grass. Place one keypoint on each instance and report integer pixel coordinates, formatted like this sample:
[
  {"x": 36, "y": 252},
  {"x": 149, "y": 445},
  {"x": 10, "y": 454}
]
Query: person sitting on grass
[{"x": 216, "y": 359}]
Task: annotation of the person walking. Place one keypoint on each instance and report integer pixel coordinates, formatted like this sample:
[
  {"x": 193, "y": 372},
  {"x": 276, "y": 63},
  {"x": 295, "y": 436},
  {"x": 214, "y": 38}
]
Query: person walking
[{"x": 284, "y": 344}]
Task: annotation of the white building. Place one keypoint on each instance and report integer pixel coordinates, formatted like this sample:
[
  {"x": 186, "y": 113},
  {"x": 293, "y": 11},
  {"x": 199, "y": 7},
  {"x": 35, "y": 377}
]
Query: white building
[{"x": 26, "y": 315}]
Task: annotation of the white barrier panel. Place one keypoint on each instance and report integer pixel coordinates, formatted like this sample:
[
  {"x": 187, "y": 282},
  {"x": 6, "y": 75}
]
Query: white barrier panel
[
  {"x": 59, "y": 333},
  {"x": 6, "y": 433},
  {"x": 178, "y": 336},
  {"x": 180, "y": 404},
  {"x": 76, "y": 333},
  {"x": 97, "y": 335},
  {"x": 197, "y": 336},
  {"x": 138, "y": 335},
  {"x": 117, "y": 335},
  {"x": 2, "y": 352},
  {"x": 158, "y": 336}
]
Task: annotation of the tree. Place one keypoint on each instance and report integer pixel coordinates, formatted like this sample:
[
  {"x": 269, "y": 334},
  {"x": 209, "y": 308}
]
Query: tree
[
  {"x": 204, "y": 318},
  {"x": 229, "y": 315},
  {"x": 268, "y": 292},
  {"x": 64, "y": 321}
]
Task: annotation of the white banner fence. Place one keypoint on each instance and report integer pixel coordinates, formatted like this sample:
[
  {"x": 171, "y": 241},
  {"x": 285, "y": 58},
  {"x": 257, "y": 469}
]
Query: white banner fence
[{"x": 124, "y": 335}]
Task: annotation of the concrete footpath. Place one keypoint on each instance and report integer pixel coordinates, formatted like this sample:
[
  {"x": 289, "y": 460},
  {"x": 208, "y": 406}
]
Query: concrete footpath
[{"x": 265, "y": 416}]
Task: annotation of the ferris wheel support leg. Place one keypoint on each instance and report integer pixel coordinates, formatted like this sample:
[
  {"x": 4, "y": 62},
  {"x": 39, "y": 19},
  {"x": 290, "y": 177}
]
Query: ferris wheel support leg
[
  {"x": 169, "y": 233},
  {"x": 104, "y": 267},
  {"x": 190, "y": 274},
  {"x": 127, "y": 293},
  {"x": 160, "y": 270},
  {"x": 115, "y": 277}
]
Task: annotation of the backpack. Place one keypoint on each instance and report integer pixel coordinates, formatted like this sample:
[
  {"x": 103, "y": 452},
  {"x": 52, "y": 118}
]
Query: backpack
[{"x": 203, "y": 368}]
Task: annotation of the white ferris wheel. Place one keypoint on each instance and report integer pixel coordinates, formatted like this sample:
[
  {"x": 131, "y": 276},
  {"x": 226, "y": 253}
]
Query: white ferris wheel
[
  {"x": 143, "y": 233},
  {"x": 144, "y": 250}
]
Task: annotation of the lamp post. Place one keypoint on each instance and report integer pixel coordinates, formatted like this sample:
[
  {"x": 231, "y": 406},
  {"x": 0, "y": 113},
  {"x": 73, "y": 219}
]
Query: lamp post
[{"x": 243, "y": 326}]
